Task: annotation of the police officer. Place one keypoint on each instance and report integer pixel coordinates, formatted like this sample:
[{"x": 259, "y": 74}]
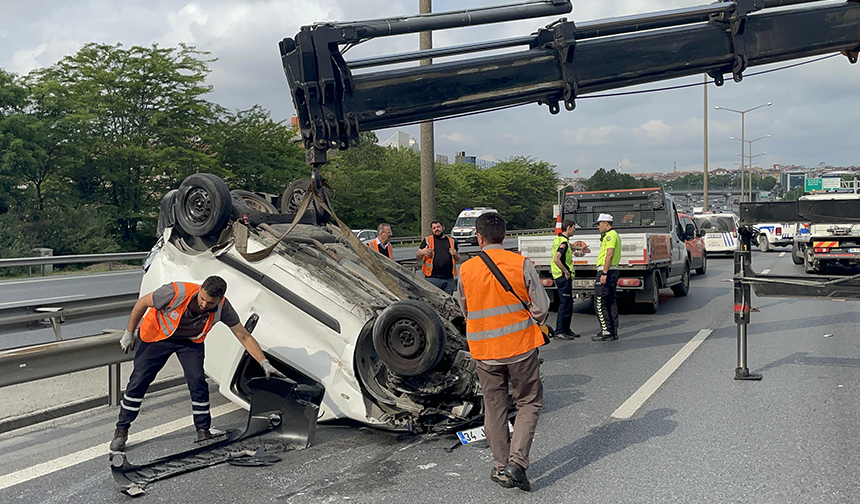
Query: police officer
[
  {"x": 606, "y": 286},
  {"x": 562, "y": 274},
  {"x": 174, "y": 319},
  {"x": 503, "y": 337}
]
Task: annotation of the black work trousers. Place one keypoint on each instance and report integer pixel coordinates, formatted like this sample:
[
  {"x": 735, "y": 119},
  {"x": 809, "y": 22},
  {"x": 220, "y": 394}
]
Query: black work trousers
[
  {"x": 606, "y": 301},
  {"x": 565, "y": 304},
  {"x": 149, "y": 360}
]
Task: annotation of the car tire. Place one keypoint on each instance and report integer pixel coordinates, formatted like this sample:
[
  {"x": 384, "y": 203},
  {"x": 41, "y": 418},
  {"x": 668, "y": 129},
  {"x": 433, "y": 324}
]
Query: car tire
[
  {"x": 764, "y": 243},
  {"x": 683, "y": 288},
  {"x": 704, "y": 268},
  {"x": 292, "y": 200},
  {"x": 254, "y": 201},
  {"x": 409, "y": 337},
  {"x": 202, "y": 205},
  {"x": 652, "y": 306},
  {"x": 796, "y": 258}
]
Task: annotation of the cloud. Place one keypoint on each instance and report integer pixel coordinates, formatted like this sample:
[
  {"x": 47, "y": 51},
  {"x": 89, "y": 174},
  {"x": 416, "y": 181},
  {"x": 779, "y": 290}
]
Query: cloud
[
  {"x": 584, "y": 136},
  {"x": 655, "y": 128},
  {"x": 461, "y": 138}
]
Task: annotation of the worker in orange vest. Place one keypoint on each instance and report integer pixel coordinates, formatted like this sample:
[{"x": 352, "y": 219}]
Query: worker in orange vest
[
  {"x": 381, "y": 243},
  {"x": 439, "y": 255},
  {"x": 503, "y": 335},
  {"x": 174, "y": 319}
]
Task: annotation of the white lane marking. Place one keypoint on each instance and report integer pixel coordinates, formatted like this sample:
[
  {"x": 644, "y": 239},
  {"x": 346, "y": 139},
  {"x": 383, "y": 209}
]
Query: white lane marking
[
  {"x": 70, "y": 277},
  {"x": 42, "y": 300},
  {"x": 639, "y": 397},
  {"x": 782, "y": 254},
  {"x": 765, "y": 272},
  {"x": 102, "y": 449}
]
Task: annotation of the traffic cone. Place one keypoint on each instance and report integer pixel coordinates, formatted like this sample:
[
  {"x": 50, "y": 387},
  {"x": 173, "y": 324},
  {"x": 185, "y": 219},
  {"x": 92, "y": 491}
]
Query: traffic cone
[{"x": 558, "y": 229}]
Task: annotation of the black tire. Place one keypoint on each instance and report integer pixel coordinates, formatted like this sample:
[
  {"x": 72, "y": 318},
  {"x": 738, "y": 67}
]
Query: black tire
[
  {"x": 764, "y": 243},
  {"x": 409, "y": 337},
  {"x": 202, "y": 205},
  {"x": 704, "y": 268},
  {"x": 292, "y": 200},
  {"x": 652, "y": 306},
  {"x": 255, "y": 202},
  {"x": 683, "y": 288},
  {"x": 796, "y": 258}
]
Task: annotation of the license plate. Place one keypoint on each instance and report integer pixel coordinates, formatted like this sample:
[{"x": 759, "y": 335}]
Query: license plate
[
  {"x": 586, "y": 284},
  {"x": 854, "y": 250},
  {"x": 476, "y": 434}
]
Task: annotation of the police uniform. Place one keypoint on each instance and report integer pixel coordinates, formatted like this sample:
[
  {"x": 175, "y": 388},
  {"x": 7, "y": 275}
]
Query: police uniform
[
  {"x": 564, "y": 285},
  {"x": 606, "y": 295}
]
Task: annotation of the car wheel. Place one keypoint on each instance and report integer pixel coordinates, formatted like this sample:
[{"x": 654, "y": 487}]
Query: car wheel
[
  {"x": 763, "y": 243},
  {"x": 654, "y": 304},
  {"x": 295, "y": 193},
  {"x": 796, "y": 258},
  {"x": 202, "y": 205},
  {"x": 704, "y": 268},
  {"x": 255, "y": 202},
  {"x": 683, "y": 288},
  {"x": 409, "y": 337}
]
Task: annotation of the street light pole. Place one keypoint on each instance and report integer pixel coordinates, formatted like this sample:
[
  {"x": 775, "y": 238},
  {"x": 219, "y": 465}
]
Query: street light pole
[
  {"x": 743, "y": 116},
  {"x": 749, "y": 157}
]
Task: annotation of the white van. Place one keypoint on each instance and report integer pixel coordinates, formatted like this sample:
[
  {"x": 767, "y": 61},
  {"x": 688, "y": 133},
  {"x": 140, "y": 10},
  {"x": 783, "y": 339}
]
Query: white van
[{"x": 464, "y": 228}]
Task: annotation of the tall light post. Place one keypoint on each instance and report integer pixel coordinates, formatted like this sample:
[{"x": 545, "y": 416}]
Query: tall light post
[
  {"x": 743, "y": 138},
  {"x": 750, "y": 156}
]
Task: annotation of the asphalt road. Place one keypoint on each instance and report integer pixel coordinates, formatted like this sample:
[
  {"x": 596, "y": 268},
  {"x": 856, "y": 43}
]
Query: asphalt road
[{"x": 607, "y": 434}]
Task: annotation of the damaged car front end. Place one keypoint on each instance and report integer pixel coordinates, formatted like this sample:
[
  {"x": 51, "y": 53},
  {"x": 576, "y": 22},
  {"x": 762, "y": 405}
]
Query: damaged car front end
[{"x": 388, "y": 347}]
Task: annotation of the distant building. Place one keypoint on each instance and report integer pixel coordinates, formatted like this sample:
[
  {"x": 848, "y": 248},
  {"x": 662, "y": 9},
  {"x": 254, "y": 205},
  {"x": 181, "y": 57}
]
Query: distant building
[
  {"x": 792, "y": 179},
  {"x": 400, "y": 139},
  {"x": 461, "y": 157},
  {"x": 441, "y": 159}
]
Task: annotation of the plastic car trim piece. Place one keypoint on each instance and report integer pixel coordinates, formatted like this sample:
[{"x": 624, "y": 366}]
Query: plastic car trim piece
[{"x": 282, "y": 292}]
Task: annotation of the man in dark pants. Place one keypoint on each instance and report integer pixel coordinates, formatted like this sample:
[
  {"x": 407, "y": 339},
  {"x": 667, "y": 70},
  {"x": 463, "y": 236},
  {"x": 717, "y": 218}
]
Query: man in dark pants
[
  {"x": 503, "y": 338},
  {"x": 606, "y": 285},
  {"x": 439, "y": 255},
  {"x": 175, "y": 318},
  {"x": 562, "y": 273}
]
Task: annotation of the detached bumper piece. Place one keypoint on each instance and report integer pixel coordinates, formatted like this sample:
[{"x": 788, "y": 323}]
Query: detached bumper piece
[{"x": 283, "y": 417}]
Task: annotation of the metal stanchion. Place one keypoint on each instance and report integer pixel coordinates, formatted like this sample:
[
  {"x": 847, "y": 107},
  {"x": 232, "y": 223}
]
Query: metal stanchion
[
  {"x": 742, "y": 311},
  {"x": 114, "y": 384}
]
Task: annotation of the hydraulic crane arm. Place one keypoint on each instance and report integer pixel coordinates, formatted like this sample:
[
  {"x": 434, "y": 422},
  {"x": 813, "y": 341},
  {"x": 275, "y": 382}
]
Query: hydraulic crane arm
[{"x": 562, "y": 61}]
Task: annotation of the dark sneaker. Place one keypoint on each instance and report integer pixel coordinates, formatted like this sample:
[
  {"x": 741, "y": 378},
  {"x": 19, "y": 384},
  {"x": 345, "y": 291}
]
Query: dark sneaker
[
  {"x": 604, "y": 336},
  {"x": 120, "y": 436},
  {"x": 517, "y": 475},
  {"x": 204, "y": 434},
  {"x": 499, "y": 476}
]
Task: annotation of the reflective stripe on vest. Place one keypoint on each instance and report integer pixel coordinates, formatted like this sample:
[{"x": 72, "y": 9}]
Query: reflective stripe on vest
[
  {"x": 427, "y": 265},
  {"x": 161, "y": 324},
  {"x": 497, "y": 325}
]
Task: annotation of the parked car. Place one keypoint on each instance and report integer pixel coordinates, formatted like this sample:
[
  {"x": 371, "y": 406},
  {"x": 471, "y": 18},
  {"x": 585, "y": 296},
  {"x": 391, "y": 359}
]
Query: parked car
[
  {"x": 365, "y": 235},
  {"x": 389, "y": 348},
  {"x": 695, "y": 244},
  {"x": 721, "y": 232}
]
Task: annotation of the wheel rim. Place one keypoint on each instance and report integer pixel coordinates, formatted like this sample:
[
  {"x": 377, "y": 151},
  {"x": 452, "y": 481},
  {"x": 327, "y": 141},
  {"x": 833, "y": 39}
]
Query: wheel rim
[
  {"x": 406, "y": 339},
  {"x": 198, "y": 205},
  {"x": 296, "y": 200}
]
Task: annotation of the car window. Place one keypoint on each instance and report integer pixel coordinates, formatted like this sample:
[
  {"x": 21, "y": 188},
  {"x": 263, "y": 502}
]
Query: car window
[{"x": 716, "y": 224}]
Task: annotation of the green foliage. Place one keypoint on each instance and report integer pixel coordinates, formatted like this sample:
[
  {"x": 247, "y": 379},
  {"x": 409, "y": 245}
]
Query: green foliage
[{"x": 603, "y": 180}]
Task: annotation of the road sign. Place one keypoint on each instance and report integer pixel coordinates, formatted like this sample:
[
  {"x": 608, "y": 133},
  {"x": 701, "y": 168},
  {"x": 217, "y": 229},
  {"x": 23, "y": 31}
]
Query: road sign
[{"x": 812, "y": 184}]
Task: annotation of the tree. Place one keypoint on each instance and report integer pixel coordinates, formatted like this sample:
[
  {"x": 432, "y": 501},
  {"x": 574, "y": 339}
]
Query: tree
[{"x": 603, "y": 180}]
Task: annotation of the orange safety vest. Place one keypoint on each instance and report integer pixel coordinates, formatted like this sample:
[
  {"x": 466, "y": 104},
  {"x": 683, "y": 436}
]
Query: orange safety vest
[
  {"x": 497, "y": 325},
  {"x": 427, "y": 265},
  {"x": 374, "y": 244},
  {"x": 161, "y": 324}
]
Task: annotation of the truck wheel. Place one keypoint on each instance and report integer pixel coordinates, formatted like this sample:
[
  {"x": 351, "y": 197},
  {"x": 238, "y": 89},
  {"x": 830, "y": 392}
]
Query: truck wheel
[
  {"x": 652, "y": 306},
  {"x": 796, "y": 258},
  {"x": 763, "y": 243},
  {"x": 683, "y": 288},
  {"x": 409, "y": 337},
  {"x": 202, "y": 205},
  {"x": 704, "y": 268},
  {"x": 809, "y": 265}
]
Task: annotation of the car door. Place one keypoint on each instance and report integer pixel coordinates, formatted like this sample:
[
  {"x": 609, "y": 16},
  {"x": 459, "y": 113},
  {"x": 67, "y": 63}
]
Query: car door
[{"x": 679, "y": 250}]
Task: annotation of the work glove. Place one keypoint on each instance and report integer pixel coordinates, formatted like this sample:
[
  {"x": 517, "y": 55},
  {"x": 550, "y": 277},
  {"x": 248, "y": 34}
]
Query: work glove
[
  {"x": 127, "y": 341},
  {"x": 270, "y": 370}
]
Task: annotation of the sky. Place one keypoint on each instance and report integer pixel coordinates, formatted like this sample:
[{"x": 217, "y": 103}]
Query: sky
[{"x": 813, "y": 119}]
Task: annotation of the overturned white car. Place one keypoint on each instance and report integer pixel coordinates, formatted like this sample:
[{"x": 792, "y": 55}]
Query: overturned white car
[{"x": 391, "y": 356}]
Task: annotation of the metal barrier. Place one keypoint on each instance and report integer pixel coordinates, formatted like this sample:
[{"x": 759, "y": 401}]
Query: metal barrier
[{"x": 56, "y": 313}]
